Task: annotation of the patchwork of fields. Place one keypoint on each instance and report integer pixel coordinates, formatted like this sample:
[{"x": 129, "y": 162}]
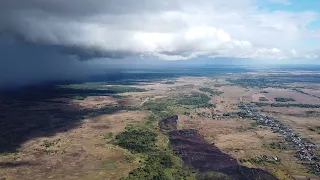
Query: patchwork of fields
[{"x": 103, "y": 130}]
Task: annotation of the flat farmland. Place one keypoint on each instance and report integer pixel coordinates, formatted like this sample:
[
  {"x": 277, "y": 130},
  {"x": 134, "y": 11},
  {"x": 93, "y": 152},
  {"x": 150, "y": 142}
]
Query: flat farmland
[
  {"x": 76, "y": 136},
  {"x": 288, "y": 93}
]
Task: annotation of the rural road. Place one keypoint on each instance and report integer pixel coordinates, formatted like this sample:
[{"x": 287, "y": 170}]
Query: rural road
[{"x": 147, "y": 99}]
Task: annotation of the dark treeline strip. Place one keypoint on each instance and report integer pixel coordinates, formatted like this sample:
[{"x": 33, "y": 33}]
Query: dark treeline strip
[{"x": 288, "y": 105}]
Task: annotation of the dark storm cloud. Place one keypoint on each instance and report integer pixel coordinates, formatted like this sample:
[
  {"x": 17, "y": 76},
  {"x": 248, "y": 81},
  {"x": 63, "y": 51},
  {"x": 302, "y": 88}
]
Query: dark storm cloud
[
  {"x": 25, "y": 63},
  {"x": 88, "y": 8},
  {"x": 69, "y": 23},
  {"x": 46, "y": 35},
  {"x": 32, "y": 15},
  {"x": 35, "y": 44},
  {"x": 177, "y": 28}
]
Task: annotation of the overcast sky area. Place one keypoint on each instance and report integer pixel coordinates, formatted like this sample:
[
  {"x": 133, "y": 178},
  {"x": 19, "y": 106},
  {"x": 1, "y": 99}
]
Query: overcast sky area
[{"x": 49, "y": 39}]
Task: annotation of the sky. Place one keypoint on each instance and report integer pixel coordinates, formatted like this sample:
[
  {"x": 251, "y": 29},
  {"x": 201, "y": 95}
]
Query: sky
[
  {"x": 55, "y": 38},
  {"x": 299, "y": 6}
]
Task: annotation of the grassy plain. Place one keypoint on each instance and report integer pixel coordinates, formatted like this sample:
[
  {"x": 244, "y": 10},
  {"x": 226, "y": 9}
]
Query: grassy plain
[{"x": 73, "y": 135}]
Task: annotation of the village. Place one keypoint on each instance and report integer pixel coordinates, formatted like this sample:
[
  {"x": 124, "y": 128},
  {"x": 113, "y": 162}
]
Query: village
[{"x": 306, "y": 150}]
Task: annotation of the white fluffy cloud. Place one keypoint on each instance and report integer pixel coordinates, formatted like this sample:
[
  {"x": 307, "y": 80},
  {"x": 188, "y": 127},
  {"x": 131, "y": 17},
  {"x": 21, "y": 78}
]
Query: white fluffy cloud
[{"x": 169, "y": 29}]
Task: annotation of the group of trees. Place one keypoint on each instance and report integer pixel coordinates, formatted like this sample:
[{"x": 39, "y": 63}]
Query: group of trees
[
  {"x": 278, "y": 145},
  {"x": 289, "y": 105},
  {"x": 281, "y": 99},
  {"x": 165, "y": 166},
  {"x": 211, "y": 91},
  {"x": 81, "y": 91},
  {"x": 158, "y": 166},
  {"x": 213, "y": 176},
  {"x": 158, "y": 163},
  {"x": 198, "y": 100},
  {"x": 263, "y": 99},
  {"x": 169, "y": 82},
  {"x": 160, "y": 108},
  {"x": 260, "y": 82},
  {"x": 192, "y": 99},
  {"x": 315, "y": 129},
  {"x": 137, "y": 140},
  {"x": 164, "y": 107},
  {"x": 265, "y": 92}
]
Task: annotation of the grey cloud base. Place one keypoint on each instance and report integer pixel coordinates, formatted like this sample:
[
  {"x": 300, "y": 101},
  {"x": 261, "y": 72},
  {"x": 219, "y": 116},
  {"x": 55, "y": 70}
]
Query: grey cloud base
[{"x": 49, "y": 35}]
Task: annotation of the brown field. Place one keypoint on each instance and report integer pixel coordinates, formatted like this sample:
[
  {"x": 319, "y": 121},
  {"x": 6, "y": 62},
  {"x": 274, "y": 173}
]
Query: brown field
[
  {"x": 81, "y": 153},
  {"x": 257, "y": 96},
  {"x": 95, "y": 102},
  {"x": 227, "y": 102},
  {"x": 287, "y": 93}
]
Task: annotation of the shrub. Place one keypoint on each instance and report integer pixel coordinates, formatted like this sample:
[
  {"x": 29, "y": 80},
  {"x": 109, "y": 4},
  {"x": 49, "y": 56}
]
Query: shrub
[{"x": 108, "y": 136}]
